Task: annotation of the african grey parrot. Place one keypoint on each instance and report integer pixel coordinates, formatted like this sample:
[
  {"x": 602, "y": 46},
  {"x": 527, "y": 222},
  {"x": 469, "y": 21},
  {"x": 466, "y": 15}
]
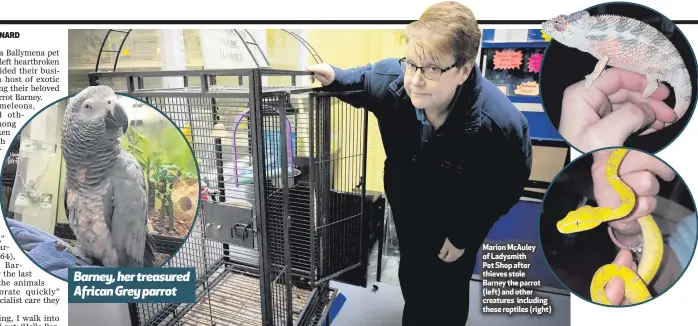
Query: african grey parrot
[{"x": 105, "y": 195}]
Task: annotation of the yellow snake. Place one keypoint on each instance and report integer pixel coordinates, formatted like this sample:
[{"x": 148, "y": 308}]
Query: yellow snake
[{"x": 587, "y": 217}]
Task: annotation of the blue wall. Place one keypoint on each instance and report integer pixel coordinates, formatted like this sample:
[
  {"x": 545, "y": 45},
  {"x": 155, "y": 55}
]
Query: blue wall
[{"x": 540, "y": 126}]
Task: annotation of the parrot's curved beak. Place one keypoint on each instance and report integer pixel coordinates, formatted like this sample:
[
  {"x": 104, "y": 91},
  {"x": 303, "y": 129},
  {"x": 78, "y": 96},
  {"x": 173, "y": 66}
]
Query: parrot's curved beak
[
  {"x": 110, "y": 121},
  {"x": 117, "y": 119}
]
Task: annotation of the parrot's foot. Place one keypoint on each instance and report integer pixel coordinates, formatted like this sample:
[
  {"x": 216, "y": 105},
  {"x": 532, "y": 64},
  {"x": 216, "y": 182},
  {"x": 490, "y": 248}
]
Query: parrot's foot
[
  {"x": 652, "y": 86},
  {"x": 60, "y": 245}
]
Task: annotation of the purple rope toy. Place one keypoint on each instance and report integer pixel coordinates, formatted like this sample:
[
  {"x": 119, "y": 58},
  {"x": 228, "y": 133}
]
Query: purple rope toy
[{"x": 289, "y": 144}]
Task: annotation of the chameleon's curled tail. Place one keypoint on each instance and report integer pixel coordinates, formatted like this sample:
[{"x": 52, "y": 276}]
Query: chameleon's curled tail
[{"x": 681, "y": 82}]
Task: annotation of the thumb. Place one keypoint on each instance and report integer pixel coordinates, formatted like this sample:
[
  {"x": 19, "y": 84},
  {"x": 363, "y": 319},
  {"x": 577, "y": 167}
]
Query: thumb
[
  {"x": 615, "y": 128},
  {"x": 615, "y": 289}
]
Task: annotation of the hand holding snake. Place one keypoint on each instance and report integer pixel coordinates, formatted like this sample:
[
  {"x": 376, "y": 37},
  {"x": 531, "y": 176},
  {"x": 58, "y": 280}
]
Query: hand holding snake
[
  {"x": 639, "y": 171},
  {"x": 615, "y": 289},
  {"x": 632, "y": 175}
]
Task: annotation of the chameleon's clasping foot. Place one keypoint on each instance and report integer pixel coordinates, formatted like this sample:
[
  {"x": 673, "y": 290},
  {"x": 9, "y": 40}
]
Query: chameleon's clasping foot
[
  {"x": 599, "y": 69},
  {"x": 590, "y": 78},
  {"x": 652, "y": 86},
  {"x": 588, "y": 82}
]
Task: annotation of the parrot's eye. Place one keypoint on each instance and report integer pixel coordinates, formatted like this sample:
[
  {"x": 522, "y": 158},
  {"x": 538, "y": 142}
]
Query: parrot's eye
[
  {"x": 108, "y": 102},
  {"x": 87, "y": 107}
]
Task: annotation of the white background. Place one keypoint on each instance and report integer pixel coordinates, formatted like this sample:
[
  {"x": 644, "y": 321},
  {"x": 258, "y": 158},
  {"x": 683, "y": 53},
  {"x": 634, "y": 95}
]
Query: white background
[{"x": 673, "y": 306}]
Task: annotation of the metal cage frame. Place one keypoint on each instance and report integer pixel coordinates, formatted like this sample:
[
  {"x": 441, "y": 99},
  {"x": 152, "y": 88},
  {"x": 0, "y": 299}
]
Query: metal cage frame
[
  {"x": 169, "y": 244},
  {"x": 270, "y": 269},
  {"x": 239, "y": 32}
]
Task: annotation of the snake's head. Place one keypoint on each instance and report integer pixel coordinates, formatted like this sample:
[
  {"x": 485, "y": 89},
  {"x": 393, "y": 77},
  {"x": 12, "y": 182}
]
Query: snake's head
[{"x": 581, "y": 219}]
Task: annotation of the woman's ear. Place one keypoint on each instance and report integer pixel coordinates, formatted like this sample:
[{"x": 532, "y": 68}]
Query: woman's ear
[{"x": 464, "y": 73}]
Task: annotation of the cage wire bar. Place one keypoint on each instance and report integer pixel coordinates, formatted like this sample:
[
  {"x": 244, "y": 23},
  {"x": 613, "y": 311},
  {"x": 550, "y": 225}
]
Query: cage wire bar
[{"x": 283, "y": 169}]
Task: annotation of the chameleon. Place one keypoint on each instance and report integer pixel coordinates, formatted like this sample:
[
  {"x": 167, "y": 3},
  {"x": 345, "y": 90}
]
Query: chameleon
[
  {"x": 587, "y": 217},
  {"x": 625, "y": 43}
]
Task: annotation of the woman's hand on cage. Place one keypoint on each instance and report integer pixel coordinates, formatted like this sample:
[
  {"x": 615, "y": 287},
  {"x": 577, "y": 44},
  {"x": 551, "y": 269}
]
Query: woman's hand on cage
[{"x": 322, "y": 73}]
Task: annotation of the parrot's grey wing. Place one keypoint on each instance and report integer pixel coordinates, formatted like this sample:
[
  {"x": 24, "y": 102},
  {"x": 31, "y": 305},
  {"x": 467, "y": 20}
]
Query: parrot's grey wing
[
  {"x": 65, "y": 203},
  {"x": 130, "y": 208},
  {"x": 109, "y": 204}
]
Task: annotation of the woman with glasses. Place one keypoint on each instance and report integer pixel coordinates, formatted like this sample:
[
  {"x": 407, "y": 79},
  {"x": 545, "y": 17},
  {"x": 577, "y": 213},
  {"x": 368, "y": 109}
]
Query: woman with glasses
[{"x": 458, "y": 156}]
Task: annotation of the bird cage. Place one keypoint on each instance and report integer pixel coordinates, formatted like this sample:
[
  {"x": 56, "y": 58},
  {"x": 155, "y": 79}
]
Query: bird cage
[{"x": 284, "y": 170}]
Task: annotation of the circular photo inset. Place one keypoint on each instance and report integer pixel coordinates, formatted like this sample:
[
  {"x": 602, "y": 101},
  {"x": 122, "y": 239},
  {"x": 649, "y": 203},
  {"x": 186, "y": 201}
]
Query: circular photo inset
[
  {"x": 618, "y": 226},
  {"x": 99, "y": 179},
  {"x": 617, "y": 74}
]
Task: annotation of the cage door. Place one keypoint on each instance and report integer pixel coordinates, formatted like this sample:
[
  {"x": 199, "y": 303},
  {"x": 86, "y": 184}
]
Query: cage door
[{"x": 338, "y": 185}]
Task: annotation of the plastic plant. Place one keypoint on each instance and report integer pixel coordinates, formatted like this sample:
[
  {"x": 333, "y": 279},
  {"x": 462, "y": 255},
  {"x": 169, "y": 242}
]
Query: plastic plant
[{"x": 165, "y": 157}]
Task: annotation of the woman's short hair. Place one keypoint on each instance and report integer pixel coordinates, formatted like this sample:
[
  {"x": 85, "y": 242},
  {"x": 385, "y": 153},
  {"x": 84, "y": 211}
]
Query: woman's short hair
[{"x": 447, "y": 28}]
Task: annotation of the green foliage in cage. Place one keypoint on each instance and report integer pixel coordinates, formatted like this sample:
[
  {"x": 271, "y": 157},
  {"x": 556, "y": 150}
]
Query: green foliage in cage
[{"x": 165, "y": 157}]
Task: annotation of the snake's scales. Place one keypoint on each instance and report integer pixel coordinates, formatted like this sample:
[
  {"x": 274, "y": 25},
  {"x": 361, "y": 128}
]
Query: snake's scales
[{"x": 587, "y": 217}]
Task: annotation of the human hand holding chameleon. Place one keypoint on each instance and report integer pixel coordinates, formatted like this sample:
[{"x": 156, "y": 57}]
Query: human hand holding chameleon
[
  {"x": 611, "y": 110},
  {"x": 624, "y": 98}
]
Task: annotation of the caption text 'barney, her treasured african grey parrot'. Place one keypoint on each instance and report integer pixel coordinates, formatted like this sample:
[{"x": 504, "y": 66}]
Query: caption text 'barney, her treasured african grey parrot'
[{"x": 105, "y": 195}]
